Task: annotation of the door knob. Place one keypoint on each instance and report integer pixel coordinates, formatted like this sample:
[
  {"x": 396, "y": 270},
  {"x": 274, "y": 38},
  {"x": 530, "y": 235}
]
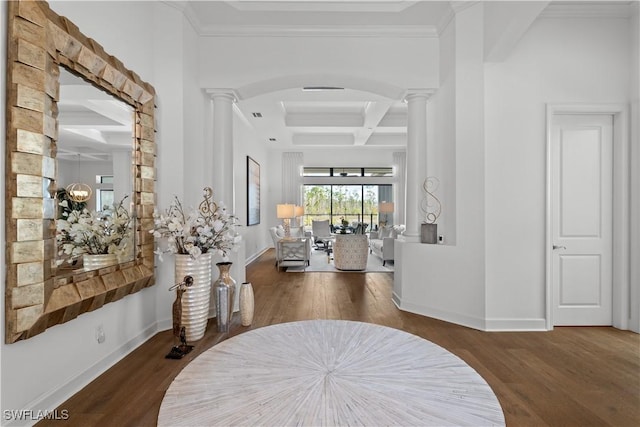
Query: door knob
[{"x": 559, "y": 247}]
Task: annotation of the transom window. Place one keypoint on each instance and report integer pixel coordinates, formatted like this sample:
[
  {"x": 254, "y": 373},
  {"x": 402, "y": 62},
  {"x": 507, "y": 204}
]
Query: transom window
[{"x": 347, "y": 171}]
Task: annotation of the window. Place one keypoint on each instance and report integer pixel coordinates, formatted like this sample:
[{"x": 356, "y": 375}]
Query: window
[
  {"x": 104, "y": 191},
  {"x": 348, "y": 172},
  {"x": 104, "y": 198},
  {"x": 353, "y": 203}
]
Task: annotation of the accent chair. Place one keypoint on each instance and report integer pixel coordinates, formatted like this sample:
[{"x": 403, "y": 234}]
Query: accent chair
[
  {"x": 277, "y": 234},
  {"x": 321, "y": 231},
  {"x": 351, "y": 251}
]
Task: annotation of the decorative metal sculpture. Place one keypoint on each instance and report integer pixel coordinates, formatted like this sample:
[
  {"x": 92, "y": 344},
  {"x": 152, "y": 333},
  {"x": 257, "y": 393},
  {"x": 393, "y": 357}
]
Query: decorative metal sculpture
[
  {"x": 208, "y": 207},
  {"x": 179, "y": 331},
  {"x": 431, "y": 208}
]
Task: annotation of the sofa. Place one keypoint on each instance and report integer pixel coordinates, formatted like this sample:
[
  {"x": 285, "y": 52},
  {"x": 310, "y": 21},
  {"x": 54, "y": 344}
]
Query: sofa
[{"x": 381, "y": 241}]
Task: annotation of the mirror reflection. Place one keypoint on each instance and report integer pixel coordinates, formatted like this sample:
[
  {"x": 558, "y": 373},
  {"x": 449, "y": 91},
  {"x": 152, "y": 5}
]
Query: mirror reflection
[{"x": 94, "y": 183}]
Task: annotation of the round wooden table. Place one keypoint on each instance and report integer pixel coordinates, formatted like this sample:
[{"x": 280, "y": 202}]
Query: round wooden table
[{"x": 328, "y": 372}]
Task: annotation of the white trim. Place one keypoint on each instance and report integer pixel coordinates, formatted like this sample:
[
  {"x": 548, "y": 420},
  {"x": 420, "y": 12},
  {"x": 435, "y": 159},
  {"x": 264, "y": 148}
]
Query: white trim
[
  {"x": 585, "y": 10},
  {"x": 413, "y": 31},
  {"x": 256, "y": 256},
  {"x": 361, "y": 6},
  {"x": 621, "y": 214},
  {"x": 511, "y": 325},
  {"x": 52, "y": 399},
  {"x": 447, "y": 316}
]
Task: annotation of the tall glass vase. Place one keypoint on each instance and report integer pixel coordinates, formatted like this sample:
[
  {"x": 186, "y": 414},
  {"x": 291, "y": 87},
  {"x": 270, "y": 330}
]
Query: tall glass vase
[
  {"x": 195, "y": 300},
  {"x": 224, "y": 291}
]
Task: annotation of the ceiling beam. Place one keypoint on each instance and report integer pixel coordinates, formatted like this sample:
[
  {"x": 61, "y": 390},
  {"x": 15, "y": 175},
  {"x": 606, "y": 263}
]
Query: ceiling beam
[{"x": 374, "y": 112}]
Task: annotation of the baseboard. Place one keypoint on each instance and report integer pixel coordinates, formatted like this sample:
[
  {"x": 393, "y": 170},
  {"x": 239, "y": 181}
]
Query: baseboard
[
  {"x": 457, "y": 318},
  {"x": 515, "y": 325},
  {"x": 53, "y": 399},
  {"x": 255, "y": 256},
  {"x": 396, "y": 300},
  {"x": 489, "y": 325}
]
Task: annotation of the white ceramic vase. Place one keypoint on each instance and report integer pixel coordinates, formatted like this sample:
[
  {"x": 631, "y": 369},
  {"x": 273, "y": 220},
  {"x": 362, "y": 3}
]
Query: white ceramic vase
[
  {"x": 246, "y": 304},
  {"x": 95, "y": 262},
  {"x": 195, "y": 300}
]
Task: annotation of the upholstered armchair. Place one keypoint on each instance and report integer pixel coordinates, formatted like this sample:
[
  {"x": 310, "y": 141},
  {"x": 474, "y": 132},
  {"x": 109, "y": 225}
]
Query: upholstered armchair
[
  {"x": 277, "y": 234},
  {"x": 350, "y": 251}
]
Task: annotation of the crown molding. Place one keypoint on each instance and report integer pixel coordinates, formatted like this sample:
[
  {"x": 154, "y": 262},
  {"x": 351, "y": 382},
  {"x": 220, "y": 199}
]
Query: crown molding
[
  {"x": 416, "y": 31},
  {"x": 619, "y": 10},
  {"x": 324, "y": 6}
]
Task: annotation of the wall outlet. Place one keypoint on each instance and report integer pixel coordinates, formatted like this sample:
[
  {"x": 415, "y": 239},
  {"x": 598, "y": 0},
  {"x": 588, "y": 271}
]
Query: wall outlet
[
  {"x": 440, "y": 238},
  {"x": 100, "y": 336}
]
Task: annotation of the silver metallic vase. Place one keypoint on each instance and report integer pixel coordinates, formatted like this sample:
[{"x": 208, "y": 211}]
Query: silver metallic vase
[{"x": 224, "y": 289}]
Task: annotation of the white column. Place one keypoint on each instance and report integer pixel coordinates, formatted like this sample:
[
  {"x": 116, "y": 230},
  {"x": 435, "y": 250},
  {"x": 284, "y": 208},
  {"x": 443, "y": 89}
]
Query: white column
[
  {"x": 400, "y": 193},
  {"x": 416, "y": 159},
  {"x": 222, "y": 162},
  {"x": 221, "y": 171}
]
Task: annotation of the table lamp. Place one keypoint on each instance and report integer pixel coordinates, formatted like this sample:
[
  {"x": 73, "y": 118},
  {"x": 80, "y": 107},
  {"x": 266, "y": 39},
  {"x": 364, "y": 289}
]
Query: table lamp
[
  {"x": 385, "y": 208},
  {"x": 285, "y": 212}
]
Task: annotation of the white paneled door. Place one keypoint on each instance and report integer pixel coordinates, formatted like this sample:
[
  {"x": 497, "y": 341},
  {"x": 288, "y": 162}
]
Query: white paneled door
[{"x": 582, "y": 221}]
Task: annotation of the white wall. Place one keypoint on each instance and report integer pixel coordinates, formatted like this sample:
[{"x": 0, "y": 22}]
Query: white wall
[
  {"x": 235, "y": 62},
  {"x": 441, "y": 140},
  {"x": 557, "y": 61},
  {"x": 246, "y": 143}
]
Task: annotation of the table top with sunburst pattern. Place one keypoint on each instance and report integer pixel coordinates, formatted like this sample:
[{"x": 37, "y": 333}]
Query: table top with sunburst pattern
[{"x": 328, "y": 372}]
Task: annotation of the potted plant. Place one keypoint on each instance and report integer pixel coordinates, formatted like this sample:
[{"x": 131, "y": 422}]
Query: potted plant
[
  {"x": 100, "y": 238},
  {"x": 194, "y": 236}
]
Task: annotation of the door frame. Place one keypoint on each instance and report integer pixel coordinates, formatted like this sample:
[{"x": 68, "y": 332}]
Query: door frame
[{"x": 621, "y": 298}]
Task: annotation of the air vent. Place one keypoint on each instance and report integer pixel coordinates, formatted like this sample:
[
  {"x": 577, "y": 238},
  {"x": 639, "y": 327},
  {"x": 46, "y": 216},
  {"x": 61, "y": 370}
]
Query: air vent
[
  {"x": 320, "y": 88},
  {"x": 256, "y": 114}
]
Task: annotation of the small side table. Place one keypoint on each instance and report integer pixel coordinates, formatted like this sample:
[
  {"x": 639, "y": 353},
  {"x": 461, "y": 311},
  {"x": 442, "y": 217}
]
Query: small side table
[{"x": 293, "y": 253}]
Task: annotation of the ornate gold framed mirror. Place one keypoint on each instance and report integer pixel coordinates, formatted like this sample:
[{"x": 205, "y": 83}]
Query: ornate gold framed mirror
[{"x": 39, "y": 42}]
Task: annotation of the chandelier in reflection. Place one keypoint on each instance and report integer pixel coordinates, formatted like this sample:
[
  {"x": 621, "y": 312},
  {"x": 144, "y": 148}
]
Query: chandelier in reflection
[{"x": 79, "y": 192}]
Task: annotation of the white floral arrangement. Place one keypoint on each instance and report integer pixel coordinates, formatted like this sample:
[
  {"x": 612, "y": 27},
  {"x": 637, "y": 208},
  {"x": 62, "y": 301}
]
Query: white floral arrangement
[
  {"x": 210, "y": 228},
  {"x": 81, "y": 232}
]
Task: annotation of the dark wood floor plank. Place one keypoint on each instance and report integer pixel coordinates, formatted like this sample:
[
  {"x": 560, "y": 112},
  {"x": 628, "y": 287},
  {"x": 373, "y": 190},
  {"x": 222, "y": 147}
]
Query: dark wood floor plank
[{"x": 565, "y": 377}]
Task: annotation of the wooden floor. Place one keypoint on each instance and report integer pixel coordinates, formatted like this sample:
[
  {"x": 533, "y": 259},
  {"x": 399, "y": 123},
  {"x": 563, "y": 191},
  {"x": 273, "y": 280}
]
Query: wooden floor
[{"x": 566, "y": 377}]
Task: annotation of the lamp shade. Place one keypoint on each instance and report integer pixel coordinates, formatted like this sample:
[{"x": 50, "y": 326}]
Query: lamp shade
[
  {"x": 285, "y": 211},
  {"x": 385, "y": 207},
  {"x": 299, "y": 211}
]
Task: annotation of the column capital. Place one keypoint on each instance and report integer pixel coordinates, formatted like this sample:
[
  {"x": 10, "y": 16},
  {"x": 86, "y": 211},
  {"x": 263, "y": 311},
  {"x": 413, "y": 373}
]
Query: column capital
[
  {"x": 222, "y": 93},
  {"x": 412, "y": 94}
]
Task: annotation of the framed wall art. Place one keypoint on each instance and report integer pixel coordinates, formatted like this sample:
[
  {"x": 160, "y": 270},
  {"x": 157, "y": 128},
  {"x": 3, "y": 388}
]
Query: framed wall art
[{"x": 253, "y": 192}]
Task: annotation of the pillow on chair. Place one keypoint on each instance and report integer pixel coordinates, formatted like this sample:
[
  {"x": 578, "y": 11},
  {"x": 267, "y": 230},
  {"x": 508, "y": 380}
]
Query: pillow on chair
[
  {"x": 297, "y": 232},
  {"x": 384, "y": 232},
  {"x": 279, "y": 232}
]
